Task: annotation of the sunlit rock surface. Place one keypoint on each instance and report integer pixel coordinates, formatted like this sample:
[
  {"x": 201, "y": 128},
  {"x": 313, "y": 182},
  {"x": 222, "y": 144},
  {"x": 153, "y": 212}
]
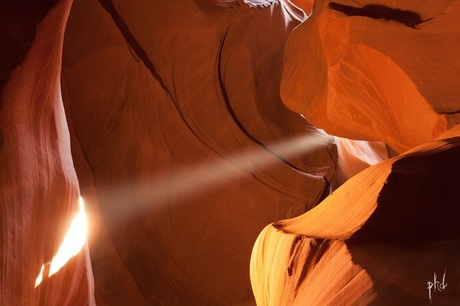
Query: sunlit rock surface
[
  {"x": 182, "y": 145},
  {"x": 380, "y": 70},
  {"x": 185, "y": 150},
  {"x": 355, "y": 156},
  {"x": 38, "y": 185},
  {"x": 373, "y": 71},
  {"x": 377, "y": 239}
]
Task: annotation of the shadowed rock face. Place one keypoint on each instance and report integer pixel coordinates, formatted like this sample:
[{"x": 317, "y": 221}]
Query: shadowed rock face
[
  {"x": 18, "y": 21},
  {"x": 414, "y": 231},
  {"x": 38, "y": 184},
  {"x": 184, "y": 145}
]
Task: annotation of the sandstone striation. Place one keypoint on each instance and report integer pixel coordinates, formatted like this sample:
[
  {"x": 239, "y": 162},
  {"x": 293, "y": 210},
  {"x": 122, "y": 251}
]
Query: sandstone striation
[
  {"x": 377, "y": 239},
  {"x": 383, "y": 71},
  {"x": 184, "y": 144},
  {"x": 330, "y": 129},
  {"x": 39, "y": 190}
]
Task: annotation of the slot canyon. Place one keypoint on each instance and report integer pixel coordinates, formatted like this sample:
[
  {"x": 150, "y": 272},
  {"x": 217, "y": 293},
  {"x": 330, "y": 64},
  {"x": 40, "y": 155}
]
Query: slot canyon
[{"x": 229, "y": 152}]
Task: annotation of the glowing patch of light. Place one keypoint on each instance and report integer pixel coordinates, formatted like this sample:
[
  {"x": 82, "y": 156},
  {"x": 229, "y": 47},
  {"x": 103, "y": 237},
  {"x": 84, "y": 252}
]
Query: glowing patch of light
[
  {"x": 289, "y": 10},
  {"x": 370, "y": 153},
  {"x": 40, "y": 276},
  {"x": 73, "y": 242},
  {"x": 321, "y": 131}
]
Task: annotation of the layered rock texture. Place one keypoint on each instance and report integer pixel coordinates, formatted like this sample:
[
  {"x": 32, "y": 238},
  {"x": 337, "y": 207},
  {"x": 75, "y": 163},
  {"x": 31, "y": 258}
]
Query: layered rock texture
[
  {"x": 195, "y": 131},
  {"x": 377, "y": 239},
  {"x": 373, "y": 71},
  {"x": 183, "y": 142},
  {"x": 380, "y": 70},
  {"x": 38, "y": 184}
]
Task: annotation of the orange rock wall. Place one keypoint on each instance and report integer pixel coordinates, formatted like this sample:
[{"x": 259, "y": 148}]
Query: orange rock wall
[
  {"x": 184, "y": 145},
  {"x": 376, "y": 71},
  {"x": 187, "y": 128},
  {"x": 373, "y": 71},
  {"x": 38, "y": 184}
]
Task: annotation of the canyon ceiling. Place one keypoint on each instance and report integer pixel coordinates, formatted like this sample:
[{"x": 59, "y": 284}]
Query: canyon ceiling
[{"x": 229, "y": 152}]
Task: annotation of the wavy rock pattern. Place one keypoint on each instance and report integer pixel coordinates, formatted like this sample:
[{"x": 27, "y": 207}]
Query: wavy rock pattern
[
  {"x": 186, "y": 150},
  {"x": 376, "y": 71},
  {"x": 377, "y": 239},
  {"x": 38, "y": 184}
]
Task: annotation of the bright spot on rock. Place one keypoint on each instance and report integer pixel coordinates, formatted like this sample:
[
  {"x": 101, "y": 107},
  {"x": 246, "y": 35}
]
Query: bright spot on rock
[
  {"x": 362, "y": 150},
  {"x": 40, "y": 276},
  {"x": 288, "y": 9},
  {"x": 71, "y": 246}
]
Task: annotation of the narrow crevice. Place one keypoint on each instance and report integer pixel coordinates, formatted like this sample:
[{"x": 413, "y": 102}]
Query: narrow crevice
[
  {"x": 131, "y": 40},
  {"x": 455, "y": 112},
  {"x": 375, "y": 11},
  {"x": 318, "y": 248},
  {"x": 138, "y": 51},
  {"x": 295, "y": 246}
]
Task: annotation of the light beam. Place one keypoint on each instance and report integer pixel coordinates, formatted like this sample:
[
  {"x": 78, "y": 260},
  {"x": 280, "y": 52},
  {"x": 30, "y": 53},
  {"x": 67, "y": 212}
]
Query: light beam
[
  {"x": 188, "y": 181},
  {"x": 73, "y": 242}
]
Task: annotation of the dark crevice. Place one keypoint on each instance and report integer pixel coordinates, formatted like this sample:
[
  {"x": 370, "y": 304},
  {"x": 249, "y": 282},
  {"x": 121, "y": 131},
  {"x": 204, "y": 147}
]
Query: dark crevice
[
  {"x": 137, "y": 50},
  {"x": 131, "y": 40},
  {"x": 455, "y": 112},
  {"x": 318, "y": 248},
  {"x": 295, "y": 246},
  {"x": 376, "y": 11}
]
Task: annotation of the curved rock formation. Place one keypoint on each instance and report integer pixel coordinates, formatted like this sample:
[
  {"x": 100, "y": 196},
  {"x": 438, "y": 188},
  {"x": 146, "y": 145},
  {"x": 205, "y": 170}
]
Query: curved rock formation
[
  {"x": 38, "y": 185},
  {"x": 184, "y": 149},
  {"x": 376, "y": 71},
  {"x": 379, "y": 238},
  {"x": 373, "y": 71}
]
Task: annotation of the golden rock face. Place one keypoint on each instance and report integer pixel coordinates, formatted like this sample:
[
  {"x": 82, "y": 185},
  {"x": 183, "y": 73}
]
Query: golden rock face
[
  {"x": 380, "y": 71},
  {"x": 194, "y": 131},
  {"x": 366, "y": 71}
]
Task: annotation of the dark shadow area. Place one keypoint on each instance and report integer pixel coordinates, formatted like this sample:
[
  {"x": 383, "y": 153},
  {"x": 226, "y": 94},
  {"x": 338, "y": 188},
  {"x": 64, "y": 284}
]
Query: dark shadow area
[
  {"x": 376, "y": 11},
  {"x": 419, "y": 203},
  {"x": 415, "y": 231},
  {"x": 401, "y": 274},
  {"x": 18, "y": 24}
]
